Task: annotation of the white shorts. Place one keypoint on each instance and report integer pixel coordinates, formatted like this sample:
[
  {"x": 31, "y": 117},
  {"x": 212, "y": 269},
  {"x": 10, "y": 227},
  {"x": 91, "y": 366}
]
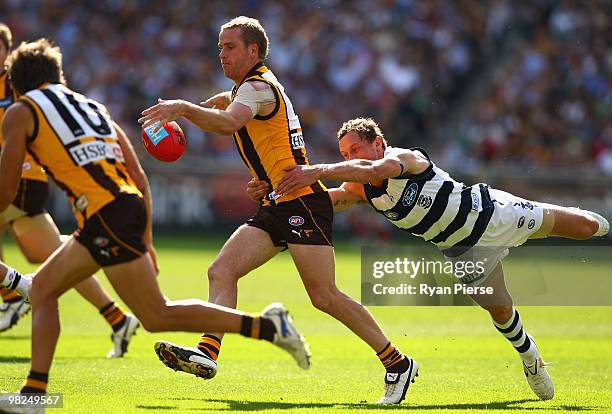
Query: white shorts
[{"x": 512, "y": 223}]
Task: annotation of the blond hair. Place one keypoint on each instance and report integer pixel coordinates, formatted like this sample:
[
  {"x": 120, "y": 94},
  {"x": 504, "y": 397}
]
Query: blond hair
[{"x": 251, "y": 32}]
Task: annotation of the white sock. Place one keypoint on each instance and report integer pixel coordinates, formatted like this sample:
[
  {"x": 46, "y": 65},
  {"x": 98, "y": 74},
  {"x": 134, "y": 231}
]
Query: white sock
[
  {"x": 17, "y": 282},
  {"x": 523, "y": 343}
]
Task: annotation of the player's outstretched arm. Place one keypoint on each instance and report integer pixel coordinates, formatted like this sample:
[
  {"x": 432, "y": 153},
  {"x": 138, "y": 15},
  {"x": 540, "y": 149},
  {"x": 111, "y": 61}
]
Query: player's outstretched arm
[
  {"x": 353, "y": 171},
  {"x": 222, "y": 122},
  {"x": 17, "y": 126},
  {"x": 137, "y": 174},
  {"x": 346, "y": 195}
]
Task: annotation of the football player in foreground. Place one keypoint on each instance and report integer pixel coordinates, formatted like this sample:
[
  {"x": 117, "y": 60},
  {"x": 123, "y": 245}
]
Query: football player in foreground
[
  {"x": 89, "y": 156},
  {"x": 474, "y": 223},
  {"x": 37, "y": 235}
]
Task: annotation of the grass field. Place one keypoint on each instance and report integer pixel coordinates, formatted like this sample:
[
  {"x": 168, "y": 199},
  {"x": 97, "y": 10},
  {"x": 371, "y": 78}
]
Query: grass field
[{"x": 466, "y": 366}]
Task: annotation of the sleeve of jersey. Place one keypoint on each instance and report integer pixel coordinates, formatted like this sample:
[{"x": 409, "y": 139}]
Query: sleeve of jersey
[{"x": 254, "y": 99}]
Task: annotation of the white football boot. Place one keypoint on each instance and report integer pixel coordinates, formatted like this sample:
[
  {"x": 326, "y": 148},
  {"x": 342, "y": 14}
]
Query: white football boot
[
  {"x": 121, "y": 339},
  {"x": 287, "y": 336},
  {"x": 7, "y": 406},
  {"x": 10, "y": 313},
  {"x": 187, "y": 359},
  {"x": 397, "y": 383},
  {"x": 538, "y": 379}
]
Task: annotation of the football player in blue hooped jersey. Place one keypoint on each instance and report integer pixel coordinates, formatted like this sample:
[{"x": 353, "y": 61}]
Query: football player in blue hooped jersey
[{"x": 476, "y": 222}]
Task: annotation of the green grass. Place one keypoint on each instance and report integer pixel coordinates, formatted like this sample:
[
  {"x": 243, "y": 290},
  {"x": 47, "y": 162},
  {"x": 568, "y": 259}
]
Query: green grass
[{"x": 465, "y": 364}]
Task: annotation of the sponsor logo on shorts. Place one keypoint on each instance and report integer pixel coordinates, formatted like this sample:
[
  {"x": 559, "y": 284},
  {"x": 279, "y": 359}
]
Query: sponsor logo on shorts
[
  {"x": 299, "y": 233},
  {"x": 531, "y": 224},
  {"x": 521, "y": 222},
  {"x": 100, "y": 241},
  {"x": 410, "y": 195},
  {"x": 391, "y": 215},
  {"x": 296, "y": 221},
  {"x": 424, "y": 201}
]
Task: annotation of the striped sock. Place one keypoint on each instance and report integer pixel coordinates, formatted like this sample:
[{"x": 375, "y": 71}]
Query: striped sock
[
  {"x": 257, "y": 327},
  {"x": 113, "y": 315},
  {"x": 9, "y": 296},
  {"x": 210, "y": 345},
  {"x": 514, "y": 332},
  {"x": 15, "y": 281},
  {"x": 36, "y": 383},
  {"x": 392, "y": 359}
]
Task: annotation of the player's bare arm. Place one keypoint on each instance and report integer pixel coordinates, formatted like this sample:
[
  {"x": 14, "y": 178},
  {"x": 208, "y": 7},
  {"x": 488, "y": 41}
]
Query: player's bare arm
[
  {"x": 137, "y": 173},
  {"x": 342, "y": 197},
  {"x": 353, "y": 171},
  {"x": 17, "y": 125},
  {"x": 346, "y": 195},
  {"x": 219, "y": 121}
]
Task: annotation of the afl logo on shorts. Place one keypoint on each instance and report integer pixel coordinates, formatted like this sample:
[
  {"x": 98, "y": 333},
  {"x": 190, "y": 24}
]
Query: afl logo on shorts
[
  {"x": 296, "y": 220},
  {"x": 521, "y": 222}
]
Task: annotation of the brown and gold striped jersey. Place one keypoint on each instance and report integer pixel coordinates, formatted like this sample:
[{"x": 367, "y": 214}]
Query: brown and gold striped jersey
[
  {"x": 31, "y": 170},
  {"x": 267, "y": 144},
  {"x": 76, "y": 143}
]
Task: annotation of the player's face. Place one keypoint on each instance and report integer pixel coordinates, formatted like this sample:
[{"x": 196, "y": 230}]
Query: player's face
[
  {"x": 352, "y": 146},
  {"x": 3, "y": 55},
  {"x": 236, "y": 58}
]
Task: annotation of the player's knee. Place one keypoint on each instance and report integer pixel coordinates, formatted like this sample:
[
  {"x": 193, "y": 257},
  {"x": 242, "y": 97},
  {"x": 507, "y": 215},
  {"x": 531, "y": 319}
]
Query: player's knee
[
  {"x": 34, "y": 257},
  {"x": 219, "y": 273},
  {"x": 40, "y": 291},
  {"x": 500, "y": 314},
  {"x": 153, "y": 323},
  {"x": 322, "y": 300}
]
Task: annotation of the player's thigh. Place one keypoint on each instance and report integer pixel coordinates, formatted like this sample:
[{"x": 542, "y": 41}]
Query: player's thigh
[
  {"x": 247, "y": 248},
  {"x": 136, "y": 284},
  {"x": 316, "y": 265},
  {"x": 500, "y": 298},
  {"x": 65, "y": 268},
  {"x": 37, "y": 236}
]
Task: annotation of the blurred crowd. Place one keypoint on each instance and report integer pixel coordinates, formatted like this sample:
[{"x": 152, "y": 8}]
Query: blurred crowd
[{"x": 496, "y": 81}]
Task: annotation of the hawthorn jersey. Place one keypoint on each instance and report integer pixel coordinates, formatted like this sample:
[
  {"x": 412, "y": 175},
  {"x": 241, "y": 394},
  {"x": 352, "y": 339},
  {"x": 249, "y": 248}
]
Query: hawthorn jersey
[
  {"x": 433, "y": 206},
  {"x": 267, "y": 144},
  {"x": 75, "y": 141},
  {"x": 31, "y": 170}
]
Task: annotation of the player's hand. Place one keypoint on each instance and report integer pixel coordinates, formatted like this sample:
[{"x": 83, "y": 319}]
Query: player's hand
[
  {"x": 257, "y": 189},
  {"x": 218, "y": 101},
  {"x": 164, "y": 111},
  {"x": 296, "y": 177}
]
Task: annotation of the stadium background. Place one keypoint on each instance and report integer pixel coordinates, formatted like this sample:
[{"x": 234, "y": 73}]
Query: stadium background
[{"x": 516, "y": 94}]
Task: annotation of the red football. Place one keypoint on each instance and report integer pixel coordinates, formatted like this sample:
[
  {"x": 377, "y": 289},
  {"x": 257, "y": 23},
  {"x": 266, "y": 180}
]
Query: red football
[{"x": 167, "y": 144}]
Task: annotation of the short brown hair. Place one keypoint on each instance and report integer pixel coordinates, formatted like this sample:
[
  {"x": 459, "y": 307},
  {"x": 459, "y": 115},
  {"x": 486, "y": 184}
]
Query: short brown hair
[
  {"x": 366, "y": 128},
  {"x": 251, "y": 32},
  {"x": 35, "y": 63},
  {"x": 6, "y": 36}
]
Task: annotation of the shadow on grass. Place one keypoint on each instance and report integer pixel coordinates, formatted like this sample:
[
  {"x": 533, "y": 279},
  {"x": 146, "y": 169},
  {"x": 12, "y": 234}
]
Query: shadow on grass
[
  {"x": 13, "y": 359},
  {"x": 233, "y": 405},
  {"x": 14, "y": 337}
]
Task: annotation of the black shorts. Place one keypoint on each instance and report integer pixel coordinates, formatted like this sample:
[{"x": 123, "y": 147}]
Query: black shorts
[
  {"x": 114, "y": 234},
  {"x": 32, "y": 196},
  {"x": 306, "y": 220}
]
